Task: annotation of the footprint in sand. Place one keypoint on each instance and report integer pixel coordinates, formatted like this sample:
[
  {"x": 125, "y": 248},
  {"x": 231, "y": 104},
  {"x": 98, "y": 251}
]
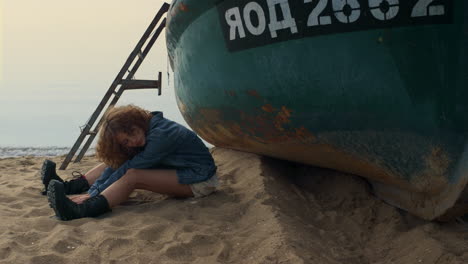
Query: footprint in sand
[
  {"x": 230, "y": 178},
  {"x": 36, "y": 212},
  {"x": 119, "y": 223},
  {"x": 199, "y": 246},
  {"x": 180, "y": 253},
  {"x": 30, "y": 192},
  {"x": 66, "y": 245},
  {"x": 49, "y": 258},
  {"x": 13, "y": 186},
  {"x": 152, "y": 233},
  {"x": 28, "y": 238},
  {"x": 189, "y": 228},
  {"x": 225, "y": 253},
  {"x": 6, "y": 199},
  {"x": 16, "y": 205},
  {"x": 27, "y": 162},
  {"x": 35, "y": 202},
  {"x": 220, "y": 197},
  {"x": 44, "y": 224},
  {"x": 120, "y": 232},
  {"x": 116, "y": 247},
  {"x": 5, "y": 252}
]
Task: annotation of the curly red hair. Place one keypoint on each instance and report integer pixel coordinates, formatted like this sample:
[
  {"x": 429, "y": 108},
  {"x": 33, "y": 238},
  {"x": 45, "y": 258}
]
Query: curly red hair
[{"x": 122, "y": 119}]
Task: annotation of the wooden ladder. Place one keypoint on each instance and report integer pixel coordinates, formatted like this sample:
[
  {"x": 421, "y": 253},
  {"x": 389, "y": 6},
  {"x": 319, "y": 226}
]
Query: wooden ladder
[{"x": 124, "y": 81}]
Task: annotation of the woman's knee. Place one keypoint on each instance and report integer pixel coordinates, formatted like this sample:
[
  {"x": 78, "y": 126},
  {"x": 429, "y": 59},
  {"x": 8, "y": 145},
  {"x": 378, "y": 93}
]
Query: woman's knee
[{"x": 130, "y": 177}]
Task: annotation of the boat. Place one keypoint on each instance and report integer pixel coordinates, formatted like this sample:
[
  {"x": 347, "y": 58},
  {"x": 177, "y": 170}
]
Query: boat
[{"x": 375, "y": 88}]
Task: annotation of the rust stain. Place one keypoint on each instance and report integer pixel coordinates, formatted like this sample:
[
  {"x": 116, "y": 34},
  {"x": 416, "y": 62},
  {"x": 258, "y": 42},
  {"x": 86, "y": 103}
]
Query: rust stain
[
  {"x": 257, "y": 133},
  {"x": 182, "y": 106},
  {"x": 253, "y": 93},
  {"x": 282, "y": 118},
  {"x": 303, "y": 133},
  {"x": 268, "y": 108},
  {"x": 236, "y": 128},
  {"x": 210, "y": 114},
  {"x": 269, "y": 132},
  {"x": 183, "y": 7},
  {"x": 267, "y": 125}
]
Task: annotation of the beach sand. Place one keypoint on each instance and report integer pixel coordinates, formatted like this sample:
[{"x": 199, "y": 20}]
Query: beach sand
[{"x": 259, "y": 215}]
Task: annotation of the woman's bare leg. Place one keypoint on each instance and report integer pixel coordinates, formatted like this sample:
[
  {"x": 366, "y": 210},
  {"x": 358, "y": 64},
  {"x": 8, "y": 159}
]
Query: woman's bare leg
[
  {"x": 94, "y": 173},
  {"x": 159, "y": 181}
]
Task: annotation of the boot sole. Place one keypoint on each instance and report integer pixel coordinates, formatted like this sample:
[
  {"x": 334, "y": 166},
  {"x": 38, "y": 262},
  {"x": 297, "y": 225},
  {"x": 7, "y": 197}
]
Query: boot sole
[
  {"x": 48, "y": 164},
  {"x": 45, "y": 177},
  {"x": 55, "y": 194}
]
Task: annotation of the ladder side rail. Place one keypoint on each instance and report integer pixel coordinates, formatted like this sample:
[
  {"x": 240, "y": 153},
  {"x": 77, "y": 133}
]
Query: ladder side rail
[
  {"x": 73, "y": 151},
  {"x": 154, "y": 38},
  {"x": 146, "y": 50},
  {"x": 85, "y": 148},
  {"x": 146, "y": 35},
  {"x": 96, "y": 129}
]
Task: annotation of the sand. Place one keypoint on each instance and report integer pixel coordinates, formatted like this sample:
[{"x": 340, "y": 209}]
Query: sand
[{"x": 259, "y": 215}]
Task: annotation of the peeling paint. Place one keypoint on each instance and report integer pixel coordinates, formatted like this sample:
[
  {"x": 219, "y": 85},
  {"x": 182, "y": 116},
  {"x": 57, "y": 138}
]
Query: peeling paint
[
  {"x": 282, "y": 118},
  {"x": 268, "y": 108},
  {"x": 253, "y": 93},
  {"x": 270, "y": 131},
  {"x": 183, "y": 7},
  {"x": 182, "y": 106}
]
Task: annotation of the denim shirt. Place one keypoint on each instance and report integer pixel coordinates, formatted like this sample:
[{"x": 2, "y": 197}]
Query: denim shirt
[{"x": 168, "y": 145}]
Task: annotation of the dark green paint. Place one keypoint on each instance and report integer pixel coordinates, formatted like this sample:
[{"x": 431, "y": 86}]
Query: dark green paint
[{"x": 405, "y": 86}]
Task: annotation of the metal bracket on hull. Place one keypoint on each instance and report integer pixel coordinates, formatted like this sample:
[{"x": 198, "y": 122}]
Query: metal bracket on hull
[{"x": 122, "y": 83}]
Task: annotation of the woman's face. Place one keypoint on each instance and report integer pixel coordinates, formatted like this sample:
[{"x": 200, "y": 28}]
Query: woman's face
[{"x": 135, "y": 139}]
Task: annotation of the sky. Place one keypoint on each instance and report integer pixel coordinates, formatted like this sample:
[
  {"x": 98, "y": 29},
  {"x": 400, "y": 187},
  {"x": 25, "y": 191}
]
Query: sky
[{"x": 58, "y": 58}]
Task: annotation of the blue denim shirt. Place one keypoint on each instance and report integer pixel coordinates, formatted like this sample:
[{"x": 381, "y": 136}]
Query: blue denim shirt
[{"x": 169, "y": 145}]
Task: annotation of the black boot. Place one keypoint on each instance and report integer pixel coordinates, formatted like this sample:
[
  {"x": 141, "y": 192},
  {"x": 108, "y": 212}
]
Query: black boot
[
  {"x": 65, "y": 209},
  {"x": 75, "y": 186},
  {"x": 48, "y": 173}
]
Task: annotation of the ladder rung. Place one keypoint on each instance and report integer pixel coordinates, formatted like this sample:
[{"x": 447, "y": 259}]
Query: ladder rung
[{"x": 140, "y": 55}]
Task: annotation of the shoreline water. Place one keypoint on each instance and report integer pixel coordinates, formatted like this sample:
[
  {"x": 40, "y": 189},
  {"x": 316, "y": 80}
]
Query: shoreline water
[{"x": 52, "y": 151}]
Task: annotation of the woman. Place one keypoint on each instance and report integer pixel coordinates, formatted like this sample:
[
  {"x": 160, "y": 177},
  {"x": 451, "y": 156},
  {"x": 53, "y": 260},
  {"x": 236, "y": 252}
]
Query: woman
[{"x": 139, "y": 150}]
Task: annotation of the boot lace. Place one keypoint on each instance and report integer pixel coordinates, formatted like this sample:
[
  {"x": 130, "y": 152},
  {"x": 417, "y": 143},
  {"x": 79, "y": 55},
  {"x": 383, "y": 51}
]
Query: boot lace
[{"x": 77, "y": 175}]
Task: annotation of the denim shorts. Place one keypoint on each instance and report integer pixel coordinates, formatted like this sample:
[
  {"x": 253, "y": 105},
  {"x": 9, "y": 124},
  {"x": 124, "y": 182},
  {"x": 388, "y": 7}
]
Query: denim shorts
[{"x": 205, "y": 188}]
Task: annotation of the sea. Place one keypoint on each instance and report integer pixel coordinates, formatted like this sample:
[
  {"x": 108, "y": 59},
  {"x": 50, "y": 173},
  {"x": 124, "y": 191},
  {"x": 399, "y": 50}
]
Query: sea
[{"x": 11, "y": 152}]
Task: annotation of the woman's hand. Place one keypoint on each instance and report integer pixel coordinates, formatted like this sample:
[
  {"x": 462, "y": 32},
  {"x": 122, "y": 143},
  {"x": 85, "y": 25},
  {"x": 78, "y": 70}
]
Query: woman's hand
[{"x": 79, "y": 199}]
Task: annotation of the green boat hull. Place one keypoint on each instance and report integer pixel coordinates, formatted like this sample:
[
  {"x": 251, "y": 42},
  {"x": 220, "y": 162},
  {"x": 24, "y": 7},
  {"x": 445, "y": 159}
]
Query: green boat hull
[{"x": 386, "y": 102}]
